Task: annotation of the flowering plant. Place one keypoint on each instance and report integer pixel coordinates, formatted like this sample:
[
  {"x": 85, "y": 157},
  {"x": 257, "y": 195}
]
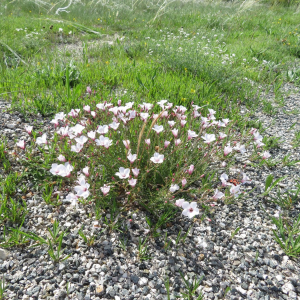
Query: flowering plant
[{"x": 144, "y": 154}]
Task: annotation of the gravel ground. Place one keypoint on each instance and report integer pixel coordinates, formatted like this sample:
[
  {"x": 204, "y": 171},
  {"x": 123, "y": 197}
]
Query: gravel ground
[{"x": 252, "y": 264}]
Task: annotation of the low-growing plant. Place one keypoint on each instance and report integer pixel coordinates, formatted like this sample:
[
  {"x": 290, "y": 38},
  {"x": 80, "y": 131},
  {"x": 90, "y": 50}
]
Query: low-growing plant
[
  {"x": 3, "y": 287},
  {"x": 13, "y": 211},
  {"x": 270, "y": 184},
  {"x": 191, "y": 288},
  {"x": 143, "y": 158},
  {"x": 57, "y": 255},
  {"x": 89, "y": 240},
  {"x": 4, "y": 161},
  {"x": 143, "y": 252},
  {"x": 13, "y": 237},
  {"x": 287, "y": 199},
  {"x": 287, "y": 235},
  {"x": 235, "y": 232}
]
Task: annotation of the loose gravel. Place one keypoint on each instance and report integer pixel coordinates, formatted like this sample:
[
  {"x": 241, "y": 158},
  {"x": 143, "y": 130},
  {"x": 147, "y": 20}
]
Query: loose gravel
[{"x": 251, "y": 263}]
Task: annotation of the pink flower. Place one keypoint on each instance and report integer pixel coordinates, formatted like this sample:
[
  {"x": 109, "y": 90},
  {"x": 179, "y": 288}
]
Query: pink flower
[
  {"x": 88, "y": 90},
  {"x": 183, "y": 182},
  {"x": 105, "y": 189},
  {"x": 166, "y": 144},
  {"x": 119, "y": 102},
  {"x": 87, "y": 108},
  {"x": 177, "y": 142},
  {"x": 175, "y": 132},
  {"x": 218, "y": 195},
  {"x": 191, "y": 134},
  {"x": 28, "y": 129},
  {"x": 126, "y": 144},
  {"x": 179, "y": 202},
  {"x": 191, "y": 169},
  {"x": 148, "y": 141},
  {"x": 227, "y": 150},
  {"x": 131, "y": 157},
  {"x": 157, "y": 158},
  {"x": 135, "y": 172},
  {"x": 190, "y": 209},
  {"x": 85, "y": 171},
  {"x": 93, "y": 114},
  {"x": 21, "y": 144},
  {"x": 171, "y": 123},
  {"x": 132, "y": 182},
  {"x": 61, "y": 158},
  {"x": 123, "y": 173},
  {"x": 266, "y": 155}
]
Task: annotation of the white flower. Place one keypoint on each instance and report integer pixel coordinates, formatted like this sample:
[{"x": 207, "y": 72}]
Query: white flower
[
  {"x": 74, "y": 112},
  {"x": 132, "y": 182},
  {"x": 179, "y": 202},
  {"x": 102, "y": 129},
  {"x": 92, "y": 135},
  {"x": 257, "y": 136},
  {"x": 21, "y": 144},
  {"x": 126, "y": 143},
  {"x": 131, "y": 157},
  {"x": 60, "y": 116},
  {"x": 158, "y": 128},
  {"x": 191, "y": 134},
  {"x": 266, "y": 155},
  {"x": 190, "y": 209},
  {"x": 224, "y": 178},
  {"x": 85, "y": 171},
  {"x": 73, "y": 199},
  {"x": 175, "y": 132},
  {"x": 103, "y": 141},
  {"x": 28, "y": 129},
  {"x": 87, "y": 108},
  {"x": 77, "y": 129},
  {"x": 105, "y": 189},
  {"x": 114, "y": 125},
  {"x": 174, "y": 188},
  {"x": 157, "y": 158},
  {"x": 222, "y": 135},
  {"x": 245, "y": 179},
  {"x": 208, "y": 138},
  {"x": 171, "y": 123},
  {"x": 135, "y": 172},
  {"x": 161, "y": 103},
  {"x": 144, "y": 116},
  {"x": 76, "y": 148},
  {"x": 227, "y": 150},
  {"x": 235, "y": 190},
  {"x": 60, "y": 30},
  {"x": 123, "y": 173},
  {"x": 218, "y": 195},
  {"x": 61, "y": 158},
  {"x": 81, "y": 140},
  {"x": 177, "y": 142},
  {"x": 82, "y": 189},
  {"x": 42, "y": 139}
]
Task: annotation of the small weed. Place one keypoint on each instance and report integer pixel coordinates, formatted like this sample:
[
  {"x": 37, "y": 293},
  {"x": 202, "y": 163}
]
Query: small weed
[
  {"x": 89, "y": 240},
  {"x": 57, "y": 255},
  {"x": 296, "y": 141},
  {"x": 3, "y": 287},
  {"x": 271, "y": 142},
  {"x": 14, "y": 238},
  {"x": 235, "y": 232},
  {"x": 143, "y": 250},
  {"x": 13, "y": 211},
  {"x": 269, "y": 184},
  {"x": 287, "y": 235},
  {"x": 286, "y": 200},
  {"x": 268, "y": 108},
  {"x": 191, "y": 288},
  {"x": 287, "y": 162}
]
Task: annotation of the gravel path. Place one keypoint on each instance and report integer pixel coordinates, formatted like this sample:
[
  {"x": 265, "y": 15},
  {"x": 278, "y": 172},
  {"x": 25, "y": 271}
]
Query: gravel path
[{"x": 252, "y": 264}]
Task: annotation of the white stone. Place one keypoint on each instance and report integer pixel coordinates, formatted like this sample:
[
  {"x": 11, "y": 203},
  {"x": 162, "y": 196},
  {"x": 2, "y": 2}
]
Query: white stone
[
  {"x": 287, "y": 287},
  {"x": 143, "y": 281}
]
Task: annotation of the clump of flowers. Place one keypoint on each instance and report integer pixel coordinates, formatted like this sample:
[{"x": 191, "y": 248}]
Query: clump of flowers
[{"x": 144, "y": 154}]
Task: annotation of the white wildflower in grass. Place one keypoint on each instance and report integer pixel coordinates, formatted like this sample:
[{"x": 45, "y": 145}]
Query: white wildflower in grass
[
  {"x": 218, "y": 195},
  {"x": 81, "y": 140},
  {"x": 235, "y": 190},
  {"x": 266, "y": 155},
  {"x": 105, "y": 189},
  {"x": 102, "y": 129},
  {"x": 157, "y": 158},
  {"x": 179, "y": 202},
  {"x": 224, "y": 179},
  {"x": 131, "y": 157},
  {"x": 92, "y": 135},
  {"x": 126, "y": 144},
  {"x": 132, "y": 182},
  {"x": 76, "y": 148},
  {"x": 158, "y": 128},
  {"x": 135, "y": 172},
  {"x": 209, "y": 138},
  {"x": 61, "y": 158},
  {"x": 190, "y": 209},
  {"x": 123, "y": 173},
  {"x": 85, "y": 171},
  {"x": 245, "y": 178}
]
